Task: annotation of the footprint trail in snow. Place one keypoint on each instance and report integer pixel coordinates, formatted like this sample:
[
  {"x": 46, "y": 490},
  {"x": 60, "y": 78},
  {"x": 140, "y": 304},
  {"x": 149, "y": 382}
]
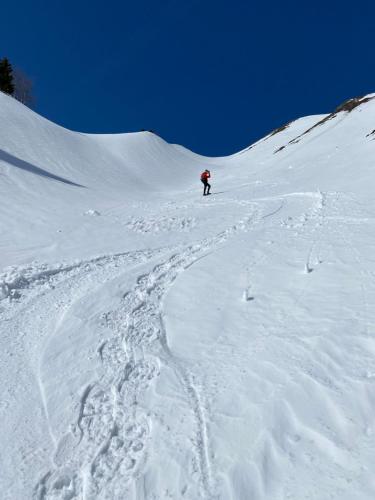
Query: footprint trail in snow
[{"x": 105, "y": 449}]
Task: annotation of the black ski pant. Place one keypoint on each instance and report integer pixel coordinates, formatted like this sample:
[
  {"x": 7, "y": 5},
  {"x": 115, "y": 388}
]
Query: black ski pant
[{"x": 207, "y": 187}]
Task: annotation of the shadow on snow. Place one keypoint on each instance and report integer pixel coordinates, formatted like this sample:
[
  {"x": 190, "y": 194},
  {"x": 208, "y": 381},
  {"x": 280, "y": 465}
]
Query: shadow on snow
[{"x": 29, "y": 167}]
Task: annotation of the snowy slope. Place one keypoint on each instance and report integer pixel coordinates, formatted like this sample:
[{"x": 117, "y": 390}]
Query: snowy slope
[{"x": 156, "y": 344}]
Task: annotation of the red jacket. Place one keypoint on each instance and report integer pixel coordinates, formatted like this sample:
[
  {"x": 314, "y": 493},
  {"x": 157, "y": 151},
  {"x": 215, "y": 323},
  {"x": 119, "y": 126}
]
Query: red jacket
[{"x": 205, "y": 176}]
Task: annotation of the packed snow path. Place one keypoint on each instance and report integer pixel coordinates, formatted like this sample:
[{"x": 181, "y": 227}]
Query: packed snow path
[{"x": 186, "y": 347}]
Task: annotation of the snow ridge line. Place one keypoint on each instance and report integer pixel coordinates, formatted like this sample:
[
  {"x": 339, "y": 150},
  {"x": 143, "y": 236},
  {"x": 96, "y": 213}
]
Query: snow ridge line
[{"x": 106, "y": 450}]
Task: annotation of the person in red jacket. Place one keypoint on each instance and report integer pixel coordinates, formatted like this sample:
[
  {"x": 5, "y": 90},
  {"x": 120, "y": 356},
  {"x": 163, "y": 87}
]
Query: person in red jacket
[{"x": 204, "y": 178}]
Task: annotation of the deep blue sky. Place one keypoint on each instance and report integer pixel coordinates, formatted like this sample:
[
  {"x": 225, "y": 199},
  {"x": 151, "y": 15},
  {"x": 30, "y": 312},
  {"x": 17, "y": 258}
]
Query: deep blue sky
[{"x": 213, "y": 75}]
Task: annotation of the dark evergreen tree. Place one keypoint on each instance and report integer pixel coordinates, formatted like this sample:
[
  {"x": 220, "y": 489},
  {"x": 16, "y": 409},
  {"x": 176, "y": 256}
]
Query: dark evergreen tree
[
  {"x": 23, "y": 87},
  {"x": 6, "y": 77}
]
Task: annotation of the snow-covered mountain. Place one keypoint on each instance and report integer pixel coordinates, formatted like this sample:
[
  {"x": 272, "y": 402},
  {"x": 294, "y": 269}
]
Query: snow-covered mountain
[{"x": 157, "y": 344}]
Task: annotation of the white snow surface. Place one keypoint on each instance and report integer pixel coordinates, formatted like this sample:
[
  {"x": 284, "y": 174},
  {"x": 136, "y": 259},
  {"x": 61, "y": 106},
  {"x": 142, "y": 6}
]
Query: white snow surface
[{"x": 158, "y": 344}]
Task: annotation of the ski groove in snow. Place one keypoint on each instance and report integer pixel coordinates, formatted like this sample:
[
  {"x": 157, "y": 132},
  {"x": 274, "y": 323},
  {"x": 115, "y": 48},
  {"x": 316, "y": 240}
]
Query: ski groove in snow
[{"x": 103, "y": 453}]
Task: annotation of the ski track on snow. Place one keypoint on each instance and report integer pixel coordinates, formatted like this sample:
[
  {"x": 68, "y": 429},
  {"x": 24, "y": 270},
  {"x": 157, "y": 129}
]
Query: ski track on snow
[
  {"x": 52, "y": 291},
  {"x": 105, "y": 450}
]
